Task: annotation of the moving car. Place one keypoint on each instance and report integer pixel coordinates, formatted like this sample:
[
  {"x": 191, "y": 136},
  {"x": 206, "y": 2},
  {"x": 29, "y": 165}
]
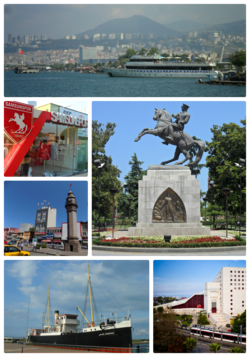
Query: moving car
[{"x": 12, "y": 250}]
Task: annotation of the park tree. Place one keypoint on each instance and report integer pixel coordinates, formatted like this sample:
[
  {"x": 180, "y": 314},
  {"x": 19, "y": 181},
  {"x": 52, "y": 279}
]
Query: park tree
[
  {"x": 202, "y": 318},
  {"x": 239, "y": 321},
  {"x": 153, "y": 51},
  {"x": 237, "y": 350},
  {"x": 132, "y": 181},
  {"x": 238, "y": 59},
  {"x": 214, "y": 347},
  {"x": 190, "y": 344},
  {"x": 142, "y": 51},
  {"x": 108, "y": 174},
  {"x": 164, "y": 330},
  {"x": 227, "y": 146}
]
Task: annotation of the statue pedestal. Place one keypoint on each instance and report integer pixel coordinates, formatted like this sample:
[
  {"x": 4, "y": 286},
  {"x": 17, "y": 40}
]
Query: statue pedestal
[{"x": 168, "y": 203}]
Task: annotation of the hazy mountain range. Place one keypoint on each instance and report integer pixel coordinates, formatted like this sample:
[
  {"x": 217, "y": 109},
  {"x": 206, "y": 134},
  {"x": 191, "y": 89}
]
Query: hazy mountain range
[{"x": 142, "y": 24}]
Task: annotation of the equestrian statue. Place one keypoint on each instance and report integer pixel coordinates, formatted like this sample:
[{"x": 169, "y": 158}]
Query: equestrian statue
[{"x": 172, "y": 133}]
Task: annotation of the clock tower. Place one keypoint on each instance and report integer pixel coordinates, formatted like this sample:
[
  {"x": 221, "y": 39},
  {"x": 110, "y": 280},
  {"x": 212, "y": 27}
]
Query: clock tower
[{"x": 72, "y": 244}]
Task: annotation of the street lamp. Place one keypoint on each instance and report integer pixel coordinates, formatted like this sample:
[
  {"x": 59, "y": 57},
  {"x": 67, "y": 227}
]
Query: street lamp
[
  {"x": 240, "y": 163},
  {"x": 129, "y": 201},
  {"x": 205, "y": 199},
  {"x": 113, "y": 191},
  {"x": 226, "y": 192},
  {"x": 211, "y": 183},
  {"x": 99, "y": 166}
]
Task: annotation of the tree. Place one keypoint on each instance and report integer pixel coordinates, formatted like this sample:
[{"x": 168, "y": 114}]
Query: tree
[
  {"x": 136, "y": 173},
  {"x": 239, "y": 321},
  {"x": 108, "y": 174},
  {"x": 238, "y": 59},
  {"x": 190, "y": 344},
  {"x": 130, "y": 52},
  {"x": 160, "y": 309},
  {"x": 202, "y": 318},
  {"x": 237, "y": 350},
  {"x": 153, "y": 51},
  {"x": 142, "y": 51},
  {"x": 214, "y": 347},
  {"x": 228, "y": 145},
  {"x": 164, "y": 330}
]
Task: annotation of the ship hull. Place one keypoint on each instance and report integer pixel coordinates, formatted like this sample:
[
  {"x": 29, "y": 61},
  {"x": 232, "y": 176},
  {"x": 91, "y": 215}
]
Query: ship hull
[
  {"x": 141, "y": 73},
  {"x": 117, "y": 337}
]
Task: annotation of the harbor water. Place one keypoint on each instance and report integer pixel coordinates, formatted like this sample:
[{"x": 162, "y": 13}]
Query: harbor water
[{"x": 78, "y": 84}]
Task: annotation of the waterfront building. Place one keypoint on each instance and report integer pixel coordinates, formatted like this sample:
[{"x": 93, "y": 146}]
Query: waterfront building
[
  {"x": 87, "y": 54},
  {"x": 9, "y": 37},
  {"x": 43, "y": 37}
]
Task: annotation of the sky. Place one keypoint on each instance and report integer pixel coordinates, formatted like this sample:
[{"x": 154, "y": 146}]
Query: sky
[
  {"x": 118, "y": 286},
  {"x": 21, "y": 199},
  {"x": 132, "y": 117},
  {"x": 57, "y": 21},
  {"x": 186, "y": 277}
]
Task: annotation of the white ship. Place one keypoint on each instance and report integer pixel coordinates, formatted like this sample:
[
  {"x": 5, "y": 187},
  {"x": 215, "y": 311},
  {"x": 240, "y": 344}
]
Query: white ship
[{"x": 157, "y": 66}]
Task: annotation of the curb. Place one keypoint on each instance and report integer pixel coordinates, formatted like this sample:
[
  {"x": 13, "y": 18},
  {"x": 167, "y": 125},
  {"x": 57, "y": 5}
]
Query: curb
[{"x": 169, "y": 250}]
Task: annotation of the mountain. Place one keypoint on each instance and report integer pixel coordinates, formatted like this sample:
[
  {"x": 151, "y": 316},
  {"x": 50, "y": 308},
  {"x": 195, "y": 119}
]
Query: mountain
[
  {"x": 133, "y": 24},
  {"x": 237, "y": 28},
  {"x": 186, "y": 25}
]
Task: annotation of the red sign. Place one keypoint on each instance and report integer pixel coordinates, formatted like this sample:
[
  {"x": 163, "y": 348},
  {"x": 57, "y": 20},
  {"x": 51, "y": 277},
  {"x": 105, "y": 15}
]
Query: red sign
[
  {"x": 198, "y": 306},
  {"x": 18, "y": 120}
]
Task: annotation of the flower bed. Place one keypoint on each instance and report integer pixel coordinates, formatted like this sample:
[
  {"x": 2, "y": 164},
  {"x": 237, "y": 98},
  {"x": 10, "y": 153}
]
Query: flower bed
[{"x": 191, "y": 242}]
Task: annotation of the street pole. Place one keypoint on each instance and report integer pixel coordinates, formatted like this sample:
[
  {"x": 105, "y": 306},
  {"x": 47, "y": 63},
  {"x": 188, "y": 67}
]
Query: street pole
[
  {"x": 113, "y": 191},
  {"x": 129, "y": 200},
  {"x": 205, "y": 199},
  {"x": 226, "y": 192},
  {"x": 211, "y": 183},
  {"x": 99, "y": 166}
]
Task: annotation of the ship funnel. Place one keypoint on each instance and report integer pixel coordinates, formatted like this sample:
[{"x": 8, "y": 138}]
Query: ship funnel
[{"x": 56, "y": 316}]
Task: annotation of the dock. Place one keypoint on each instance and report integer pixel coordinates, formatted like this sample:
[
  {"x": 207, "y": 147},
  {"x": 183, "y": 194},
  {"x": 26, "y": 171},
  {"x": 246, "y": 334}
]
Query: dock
[{"x": 224, "y": 83}]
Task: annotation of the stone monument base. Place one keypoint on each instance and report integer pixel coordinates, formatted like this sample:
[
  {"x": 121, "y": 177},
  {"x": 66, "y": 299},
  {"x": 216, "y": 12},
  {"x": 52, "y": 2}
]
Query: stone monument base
[
  {"x": 72, "y": 245},
  {"x": 181, "y": 216}
]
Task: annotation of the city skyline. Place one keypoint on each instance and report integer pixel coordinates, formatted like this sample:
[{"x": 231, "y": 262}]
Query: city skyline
[
  {"x": 21, "y": 199},
  {"x": 29, "y": 19}
]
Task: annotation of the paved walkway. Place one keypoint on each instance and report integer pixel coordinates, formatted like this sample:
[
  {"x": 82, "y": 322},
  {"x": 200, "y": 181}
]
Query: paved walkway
[{"x": 119, "y": 234}]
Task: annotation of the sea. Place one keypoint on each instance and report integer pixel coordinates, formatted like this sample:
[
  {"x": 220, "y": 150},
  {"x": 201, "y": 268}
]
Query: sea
[{"x": 78, "y": 84}]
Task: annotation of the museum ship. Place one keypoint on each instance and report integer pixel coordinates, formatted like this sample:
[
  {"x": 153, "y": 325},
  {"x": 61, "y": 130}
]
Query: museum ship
[
  {"x": 157, "y": 66},
  {"x": 106, "y": 333}
]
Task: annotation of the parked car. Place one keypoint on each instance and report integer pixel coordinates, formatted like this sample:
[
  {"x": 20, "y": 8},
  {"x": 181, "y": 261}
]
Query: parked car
[
  {"x": 5, "y": 242},
  {"x": 12, "y": 250},
  {"x": 12, "y": 242}
]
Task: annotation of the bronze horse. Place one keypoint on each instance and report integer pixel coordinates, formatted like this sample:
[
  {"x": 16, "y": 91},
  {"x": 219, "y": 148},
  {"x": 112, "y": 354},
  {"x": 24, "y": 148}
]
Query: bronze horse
[{"x": 183, "y": 141}]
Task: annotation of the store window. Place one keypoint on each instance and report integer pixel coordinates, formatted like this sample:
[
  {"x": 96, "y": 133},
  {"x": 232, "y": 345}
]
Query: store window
[{"x": 57, "y": 150}]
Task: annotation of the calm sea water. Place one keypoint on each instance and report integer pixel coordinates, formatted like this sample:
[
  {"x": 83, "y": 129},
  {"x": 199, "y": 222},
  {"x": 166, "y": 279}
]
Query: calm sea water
[{"x": 100, "y": 85}]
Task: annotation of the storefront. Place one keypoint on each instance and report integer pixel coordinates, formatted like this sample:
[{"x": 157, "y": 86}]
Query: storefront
[{"x": 48, "y": 142}]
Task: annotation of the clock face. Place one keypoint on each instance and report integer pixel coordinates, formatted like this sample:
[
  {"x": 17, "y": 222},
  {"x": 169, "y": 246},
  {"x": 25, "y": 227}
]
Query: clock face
[{"x": 69, "y": 199}]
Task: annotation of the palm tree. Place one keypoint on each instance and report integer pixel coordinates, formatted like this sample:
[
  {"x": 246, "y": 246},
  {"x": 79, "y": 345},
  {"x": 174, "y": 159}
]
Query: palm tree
[
  {"x": 214, "y": 347},
  {"x": 190, "y": 344},
  {"x": 237, "y": 350}
]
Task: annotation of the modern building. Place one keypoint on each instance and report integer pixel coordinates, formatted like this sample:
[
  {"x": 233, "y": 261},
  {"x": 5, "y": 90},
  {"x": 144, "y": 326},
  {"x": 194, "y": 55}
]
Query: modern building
[
  {"x": 45, "y": 217},
  {"x": 223, "y": 298},
  {"x": 87, "y": 54}
]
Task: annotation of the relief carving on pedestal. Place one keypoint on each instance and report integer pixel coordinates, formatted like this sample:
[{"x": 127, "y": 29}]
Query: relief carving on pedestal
[{"x": 169, "y": 208}]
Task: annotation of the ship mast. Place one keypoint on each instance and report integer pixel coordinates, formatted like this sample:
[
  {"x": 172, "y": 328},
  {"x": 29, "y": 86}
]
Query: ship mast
[
  {"x": 90, "y": 296},
  {"x": 48, "y": 308}
]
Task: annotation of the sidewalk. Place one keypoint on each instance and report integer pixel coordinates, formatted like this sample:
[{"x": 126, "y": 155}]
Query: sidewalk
[
  {"x": 120, "y": 234},
  {"x": 57, "y": 252}
]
